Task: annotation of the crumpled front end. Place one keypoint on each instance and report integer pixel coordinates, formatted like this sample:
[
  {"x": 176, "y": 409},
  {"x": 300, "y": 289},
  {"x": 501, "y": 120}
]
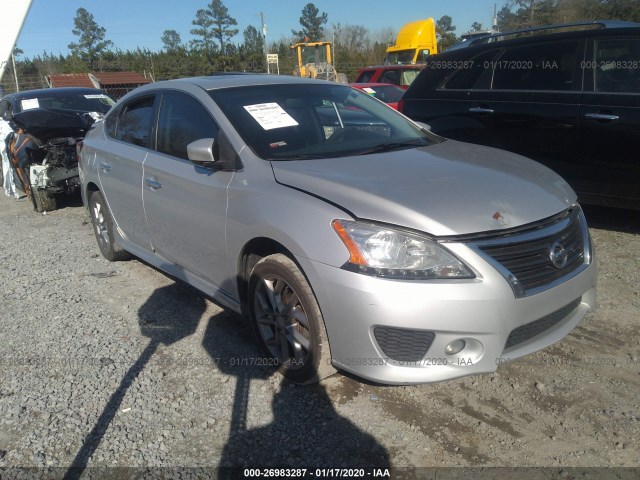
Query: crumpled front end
[{"x": 43, "y": 153}]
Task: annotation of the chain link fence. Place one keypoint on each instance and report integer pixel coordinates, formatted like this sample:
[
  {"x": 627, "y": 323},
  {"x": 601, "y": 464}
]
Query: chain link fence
[{"x": 164, "y": 72}]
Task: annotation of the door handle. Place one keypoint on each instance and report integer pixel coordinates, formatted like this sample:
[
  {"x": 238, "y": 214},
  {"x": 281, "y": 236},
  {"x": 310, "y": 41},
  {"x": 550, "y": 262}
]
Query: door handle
[
  {"x": 481, "y": 110},
  {"x": 602, "y": 116},
  {"x": 104, "y": 166},
  {"x": 152, "y": 183}
]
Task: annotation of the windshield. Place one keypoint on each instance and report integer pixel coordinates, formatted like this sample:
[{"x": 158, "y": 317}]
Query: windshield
[
  {"x": 401, "y": 57},
  {"x": 315, "y": 54},
  {"x": 296, "y": 122},
  {"x": 85, "y": 102},
  {"x": 386, "y": 93}
]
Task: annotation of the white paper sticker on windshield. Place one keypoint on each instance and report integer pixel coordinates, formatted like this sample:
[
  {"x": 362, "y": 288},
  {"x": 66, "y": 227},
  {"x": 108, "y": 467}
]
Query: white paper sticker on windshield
[
  {"x": 270, "y": 116},
  {"x": 99, "y": 95},
  {"x": 29, "y": 104},
  {"x": 370, "y": 91}
]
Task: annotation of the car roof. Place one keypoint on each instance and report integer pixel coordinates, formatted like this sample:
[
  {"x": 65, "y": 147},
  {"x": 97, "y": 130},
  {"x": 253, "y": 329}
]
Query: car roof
[
  {"x": 547, "y": 30},
  {"x": 227, "y": 80}
]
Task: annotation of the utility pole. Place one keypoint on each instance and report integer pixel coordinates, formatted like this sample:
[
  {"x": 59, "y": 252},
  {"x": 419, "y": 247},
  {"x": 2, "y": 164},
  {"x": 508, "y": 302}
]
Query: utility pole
[
  {"x": 264, "y": 40},
  {"x": 494, "y": 27},
  {"x": 15, "y": 73}
]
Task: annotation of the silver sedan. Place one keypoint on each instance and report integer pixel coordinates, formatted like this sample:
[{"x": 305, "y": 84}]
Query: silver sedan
[{"x": 351, "y": 236}]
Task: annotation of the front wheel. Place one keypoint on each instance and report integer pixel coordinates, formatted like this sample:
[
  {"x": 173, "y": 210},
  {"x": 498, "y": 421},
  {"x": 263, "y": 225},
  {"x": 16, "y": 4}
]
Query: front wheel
[
  {"x": 287, "y": 320},
  {"x": 103, "y": 227}
]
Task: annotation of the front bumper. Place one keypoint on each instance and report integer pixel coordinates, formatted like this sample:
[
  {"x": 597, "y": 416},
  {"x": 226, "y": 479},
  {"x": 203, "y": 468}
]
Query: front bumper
[
  {"x": 54, "y": 178},
  {"x": 483, "y": 312}
]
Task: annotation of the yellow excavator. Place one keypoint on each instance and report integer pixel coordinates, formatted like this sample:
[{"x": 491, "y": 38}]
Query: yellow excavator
[{"x": 314, "y": 60}]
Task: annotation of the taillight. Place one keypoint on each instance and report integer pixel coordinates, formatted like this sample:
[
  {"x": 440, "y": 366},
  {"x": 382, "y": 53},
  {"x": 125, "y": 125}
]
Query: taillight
[{"x": 401, "y": 105}]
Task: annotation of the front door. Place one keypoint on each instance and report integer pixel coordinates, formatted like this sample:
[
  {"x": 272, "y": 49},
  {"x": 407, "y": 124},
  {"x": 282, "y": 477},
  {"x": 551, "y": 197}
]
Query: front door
[{"x": 186, "y": 204}]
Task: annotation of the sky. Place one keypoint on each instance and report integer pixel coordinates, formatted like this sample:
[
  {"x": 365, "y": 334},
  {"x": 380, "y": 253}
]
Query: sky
[{"x": 140, "y": 23}]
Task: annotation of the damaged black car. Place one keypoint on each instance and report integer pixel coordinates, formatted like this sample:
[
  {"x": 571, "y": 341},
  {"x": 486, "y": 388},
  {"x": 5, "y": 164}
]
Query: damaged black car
[{"x": 45, "y": 129}]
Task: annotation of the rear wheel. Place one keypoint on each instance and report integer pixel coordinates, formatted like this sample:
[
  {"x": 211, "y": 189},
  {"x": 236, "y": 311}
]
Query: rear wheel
[
  {"x": 42, "y": 201},
  {"x": 103, "y": 227},
  {"x": 287, "y": 320}
]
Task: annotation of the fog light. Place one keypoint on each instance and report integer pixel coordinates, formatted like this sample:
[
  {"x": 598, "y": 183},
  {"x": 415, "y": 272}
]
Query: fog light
[{"x": 455, "y": 347}]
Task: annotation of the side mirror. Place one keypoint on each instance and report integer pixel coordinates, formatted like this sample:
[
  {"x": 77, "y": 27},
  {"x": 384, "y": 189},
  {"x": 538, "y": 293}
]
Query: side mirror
[
  {"x": 200, "y": 152},
  {"x": 217, "y": 154}
]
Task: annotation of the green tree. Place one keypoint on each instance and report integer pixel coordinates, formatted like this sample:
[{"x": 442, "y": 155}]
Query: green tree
[
  {"x": 214, "y": 22},
  {"x": 445, "y": 32},
  {"x": 621, "y": 10},
  {"x": 91, "y": 43},
  {"x": 172, "y": 41},
  {"x": 476, "y": 26},
  {"x": 204, "y": 30},
  {"x": 312, "y": 24},
  {"x": 518, "y": 14},
  {"x": 253, "y": 41}
]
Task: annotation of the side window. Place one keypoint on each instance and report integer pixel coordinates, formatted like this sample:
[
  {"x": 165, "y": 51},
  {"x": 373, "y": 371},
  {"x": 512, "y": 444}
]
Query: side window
[
  {"x": 182, "y": 120},
  {"x": 470, "y": 71},
  {"x": 6, "y": 110},
  {"x": 423, "y": 56},
  {"x": 391, "y": 76},
  {"x": 3, "y": 108},
  {"x": 408, "y": 76},
  {"x": 542, "y": 66},
  {"x": 365, "y": 77},
  {"x": 617, "y": 65},
  {"x": 134, "y": 125}
]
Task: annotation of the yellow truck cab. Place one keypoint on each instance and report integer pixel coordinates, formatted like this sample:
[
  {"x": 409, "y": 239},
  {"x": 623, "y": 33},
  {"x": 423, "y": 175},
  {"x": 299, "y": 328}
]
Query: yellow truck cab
[{"x": 415, "y": 42}]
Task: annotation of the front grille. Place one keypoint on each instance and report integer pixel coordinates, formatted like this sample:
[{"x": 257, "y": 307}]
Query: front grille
[
  {"x": 403, "y": 345},
  {"x": 527, "y": 258},
  {"x": 530, "y": 330}
]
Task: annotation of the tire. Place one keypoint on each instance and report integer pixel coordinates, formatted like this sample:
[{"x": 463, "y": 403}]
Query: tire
[
  {"x": 42, "y": 201},
  {"x": 103, "y": 228},
  {"x": 287, "y": 321}
]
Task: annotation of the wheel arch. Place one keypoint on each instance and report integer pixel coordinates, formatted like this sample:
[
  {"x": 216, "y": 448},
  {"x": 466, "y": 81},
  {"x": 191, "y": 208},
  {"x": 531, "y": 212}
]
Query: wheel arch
[
  {"x": 86, "y": 191},
  {"x": 251, "y": 253}
]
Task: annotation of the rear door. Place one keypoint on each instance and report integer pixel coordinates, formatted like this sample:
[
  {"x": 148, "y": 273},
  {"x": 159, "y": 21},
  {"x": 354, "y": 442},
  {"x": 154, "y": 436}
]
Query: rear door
[
  {"x": 610, "y": 121},
  {"x": 120, "y": 166},
  {"x": 186, "y": 204},
  {"x": 448, "y": 92},
  {"x": 532, "y": 107}
]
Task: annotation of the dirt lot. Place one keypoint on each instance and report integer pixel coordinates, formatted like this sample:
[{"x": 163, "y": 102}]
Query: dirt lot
[{"x": 115, "y": 364}]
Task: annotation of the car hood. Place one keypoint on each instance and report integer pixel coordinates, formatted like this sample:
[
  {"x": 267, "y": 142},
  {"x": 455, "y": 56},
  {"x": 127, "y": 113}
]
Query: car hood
[
  {"x": 46, "y": 123},
  {"x": 450, "y": 188}
]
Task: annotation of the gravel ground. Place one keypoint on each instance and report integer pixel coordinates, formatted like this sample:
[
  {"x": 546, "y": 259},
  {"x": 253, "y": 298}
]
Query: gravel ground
[{"x": 115, "y": 364}]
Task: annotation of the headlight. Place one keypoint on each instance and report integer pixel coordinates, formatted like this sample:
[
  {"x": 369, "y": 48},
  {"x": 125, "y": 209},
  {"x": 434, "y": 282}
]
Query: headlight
[{"x": 386, "y": 252}]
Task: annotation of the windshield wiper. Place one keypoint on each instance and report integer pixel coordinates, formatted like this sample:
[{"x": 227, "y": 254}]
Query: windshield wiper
[
  {"x": 285, "y": 157},
  {"x": 389, "y": 146}
]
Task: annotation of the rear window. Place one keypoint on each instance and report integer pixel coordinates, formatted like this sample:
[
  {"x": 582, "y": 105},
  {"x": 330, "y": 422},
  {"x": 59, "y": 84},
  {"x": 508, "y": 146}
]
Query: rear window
[
  {"x": 468, "y": 72},
  {"x": 365, "y": 77},
  {"x": 617, "y": 65},
  {"x": 134, "y": 125},
  {"x": 541, "y": 66},
  {"x": 85, "y": 102}
]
